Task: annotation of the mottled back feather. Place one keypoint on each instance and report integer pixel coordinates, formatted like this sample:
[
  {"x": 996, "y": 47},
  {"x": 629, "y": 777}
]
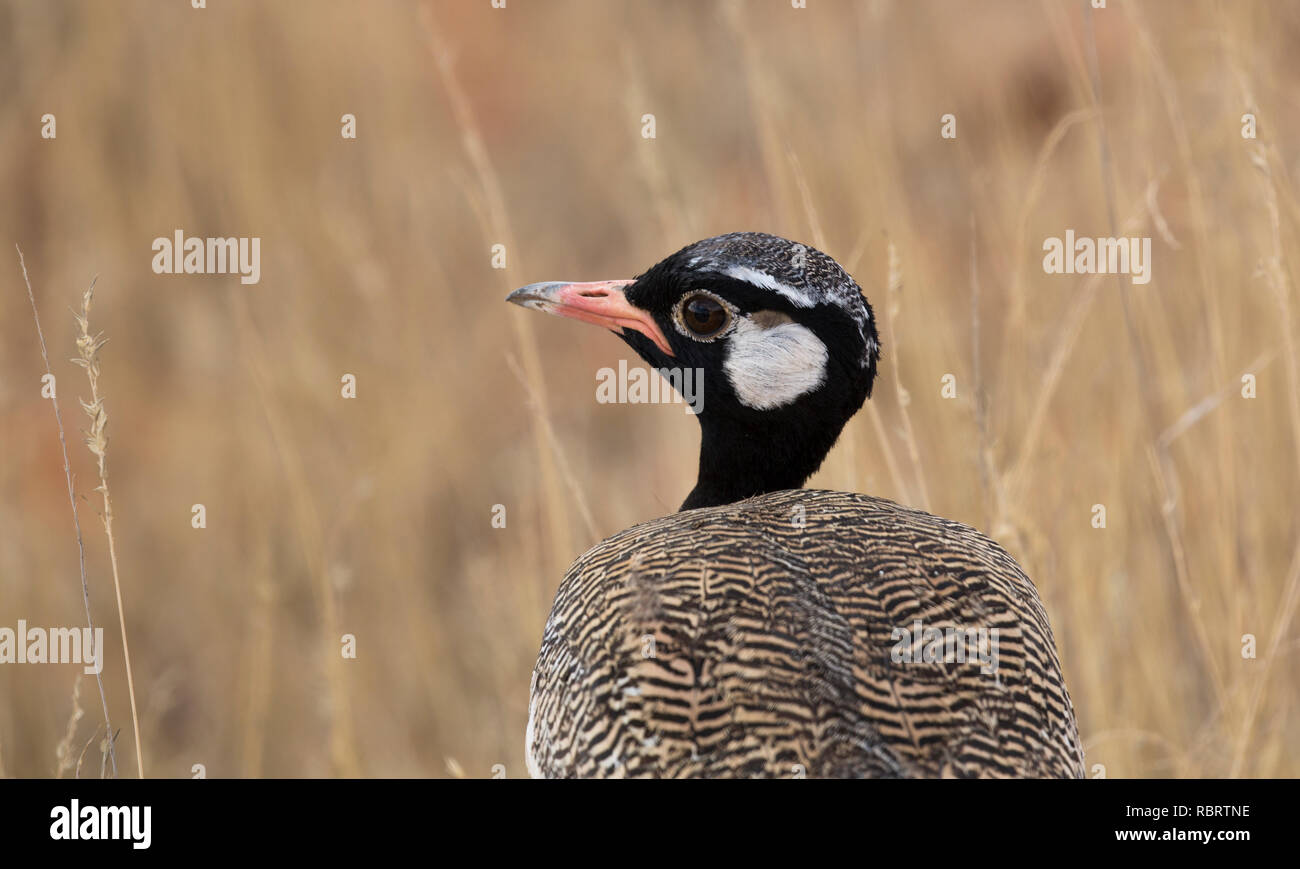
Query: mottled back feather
[{"x": 754, "y": 639}]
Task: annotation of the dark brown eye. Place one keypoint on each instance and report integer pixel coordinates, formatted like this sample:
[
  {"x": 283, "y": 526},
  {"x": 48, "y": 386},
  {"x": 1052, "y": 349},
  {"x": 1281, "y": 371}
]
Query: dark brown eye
[{"x": 704, "y": 315}]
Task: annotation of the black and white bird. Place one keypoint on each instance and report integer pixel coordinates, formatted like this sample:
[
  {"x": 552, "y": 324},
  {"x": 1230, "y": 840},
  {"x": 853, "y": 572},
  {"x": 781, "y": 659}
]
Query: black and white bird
[{"x": 771, "y": 631}]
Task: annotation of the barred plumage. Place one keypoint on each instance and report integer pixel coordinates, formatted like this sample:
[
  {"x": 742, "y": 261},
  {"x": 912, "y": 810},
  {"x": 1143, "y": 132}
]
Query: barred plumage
[{"x": 757, "y": 639}]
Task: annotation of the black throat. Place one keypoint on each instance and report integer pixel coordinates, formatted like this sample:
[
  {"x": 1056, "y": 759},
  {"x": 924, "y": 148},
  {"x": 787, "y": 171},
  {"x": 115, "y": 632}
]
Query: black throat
[{"x": 759, "y": 453}]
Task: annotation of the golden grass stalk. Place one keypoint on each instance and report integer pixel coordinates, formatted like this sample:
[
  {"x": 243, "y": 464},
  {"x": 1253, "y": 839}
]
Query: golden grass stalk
[
  {"x": 1275, "y": 272},
  {"x": 557, "y": 449},
  {"x": 674, "y": 221},
  {"x": 1145, "y": 382},
  {"x": 88, "y": 347},
  {"x": 344, "y": 755},
  {"x": 763, "y": 95},
  {"x": 72, "y": 501},
  {"x": 850, "y": 463},
  {"x": 984, "y": 447},
  {"x": 1018, "y": 303},
  {"x": 893, "y": 304},
  {"x": 497, "y": 227},
  {"x": 64, "y": 751}
]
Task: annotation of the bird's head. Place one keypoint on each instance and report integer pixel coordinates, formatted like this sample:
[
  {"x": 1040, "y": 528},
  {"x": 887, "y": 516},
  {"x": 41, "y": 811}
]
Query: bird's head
[{"x": 782, "y": 336}]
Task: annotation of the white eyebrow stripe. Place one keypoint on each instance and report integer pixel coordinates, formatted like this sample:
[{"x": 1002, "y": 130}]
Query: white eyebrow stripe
[{"x": 767, "y": 282}]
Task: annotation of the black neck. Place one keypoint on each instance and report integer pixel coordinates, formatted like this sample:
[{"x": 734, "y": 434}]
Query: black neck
[{"x": 766, "y": 453}]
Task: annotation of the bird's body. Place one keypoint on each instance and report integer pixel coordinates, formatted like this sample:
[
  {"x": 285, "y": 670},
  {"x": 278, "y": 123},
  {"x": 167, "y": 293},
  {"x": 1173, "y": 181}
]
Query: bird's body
[
  {"x": 762, "y": 638},
  {"x": 768, "y": 631}
]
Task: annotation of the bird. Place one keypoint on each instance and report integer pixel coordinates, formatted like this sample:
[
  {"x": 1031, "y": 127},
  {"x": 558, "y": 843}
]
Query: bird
[{"x": 766, "y": 630}]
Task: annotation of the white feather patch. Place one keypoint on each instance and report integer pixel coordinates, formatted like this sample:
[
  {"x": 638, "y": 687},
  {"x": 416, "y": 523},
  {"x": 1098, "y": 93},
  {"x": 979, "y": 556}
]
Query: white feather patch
[
  {"x": 767, "y": 282},
  {"x": 771, "y": 367}
]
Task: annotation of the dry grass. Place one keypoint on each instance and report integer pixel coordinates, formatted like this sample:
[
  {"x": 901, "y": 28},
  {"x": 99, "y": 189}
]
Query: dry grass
[
  {"x": 64, "y": 750},
  {"x": 522, "y": 127},
  {"x": 88, "y": 347}
]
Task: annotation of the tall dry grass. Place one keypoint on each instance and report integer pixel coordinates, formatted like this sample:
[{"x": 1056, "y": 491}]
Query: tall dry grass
[
  {"x": 64, "y": 751},
  {"x": 476, "y": 127},
  {"x": 88, "y": 346}
]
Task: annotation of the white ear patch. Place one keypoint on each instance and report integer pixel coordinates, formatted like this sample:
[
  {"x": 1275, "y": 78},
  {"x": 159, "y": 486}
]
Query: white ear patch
[{"x": 772, "y": 360}]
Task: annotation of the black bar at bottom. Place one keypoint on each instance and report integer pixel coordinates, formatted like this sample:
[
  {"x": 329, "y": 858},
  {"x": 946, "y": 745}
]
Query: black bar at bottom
[{"x": 330, "y": 817}]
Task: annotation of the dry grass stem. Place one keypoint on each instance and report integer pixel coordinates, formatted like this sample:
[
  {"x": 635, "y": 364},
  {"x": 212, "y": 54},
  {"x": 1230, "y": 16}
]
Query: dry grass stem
[
  {"x": 88, "y": 347},
  {"x": 63, "y": 754},
  {"x": 499, "y": 230},
  {"x": 561, "y": 461},
  {"x": 893, "y": 305},
  {"x": 72, "y": 500},
  {"x": 305, "y": 516}
]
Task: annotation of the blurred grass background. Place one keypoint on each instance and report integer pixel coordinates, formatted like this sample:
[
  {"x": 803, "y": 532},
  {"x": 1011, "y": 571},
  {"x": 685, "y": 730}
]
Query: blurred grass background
[{"x": 522, "y": 126}]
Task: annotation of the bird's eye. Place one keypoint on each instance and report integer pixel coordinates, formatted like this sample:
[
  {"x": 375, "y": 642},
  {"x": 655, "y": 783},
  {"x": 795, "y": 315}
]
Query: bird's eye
[{"x": 703, "y": 315}]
